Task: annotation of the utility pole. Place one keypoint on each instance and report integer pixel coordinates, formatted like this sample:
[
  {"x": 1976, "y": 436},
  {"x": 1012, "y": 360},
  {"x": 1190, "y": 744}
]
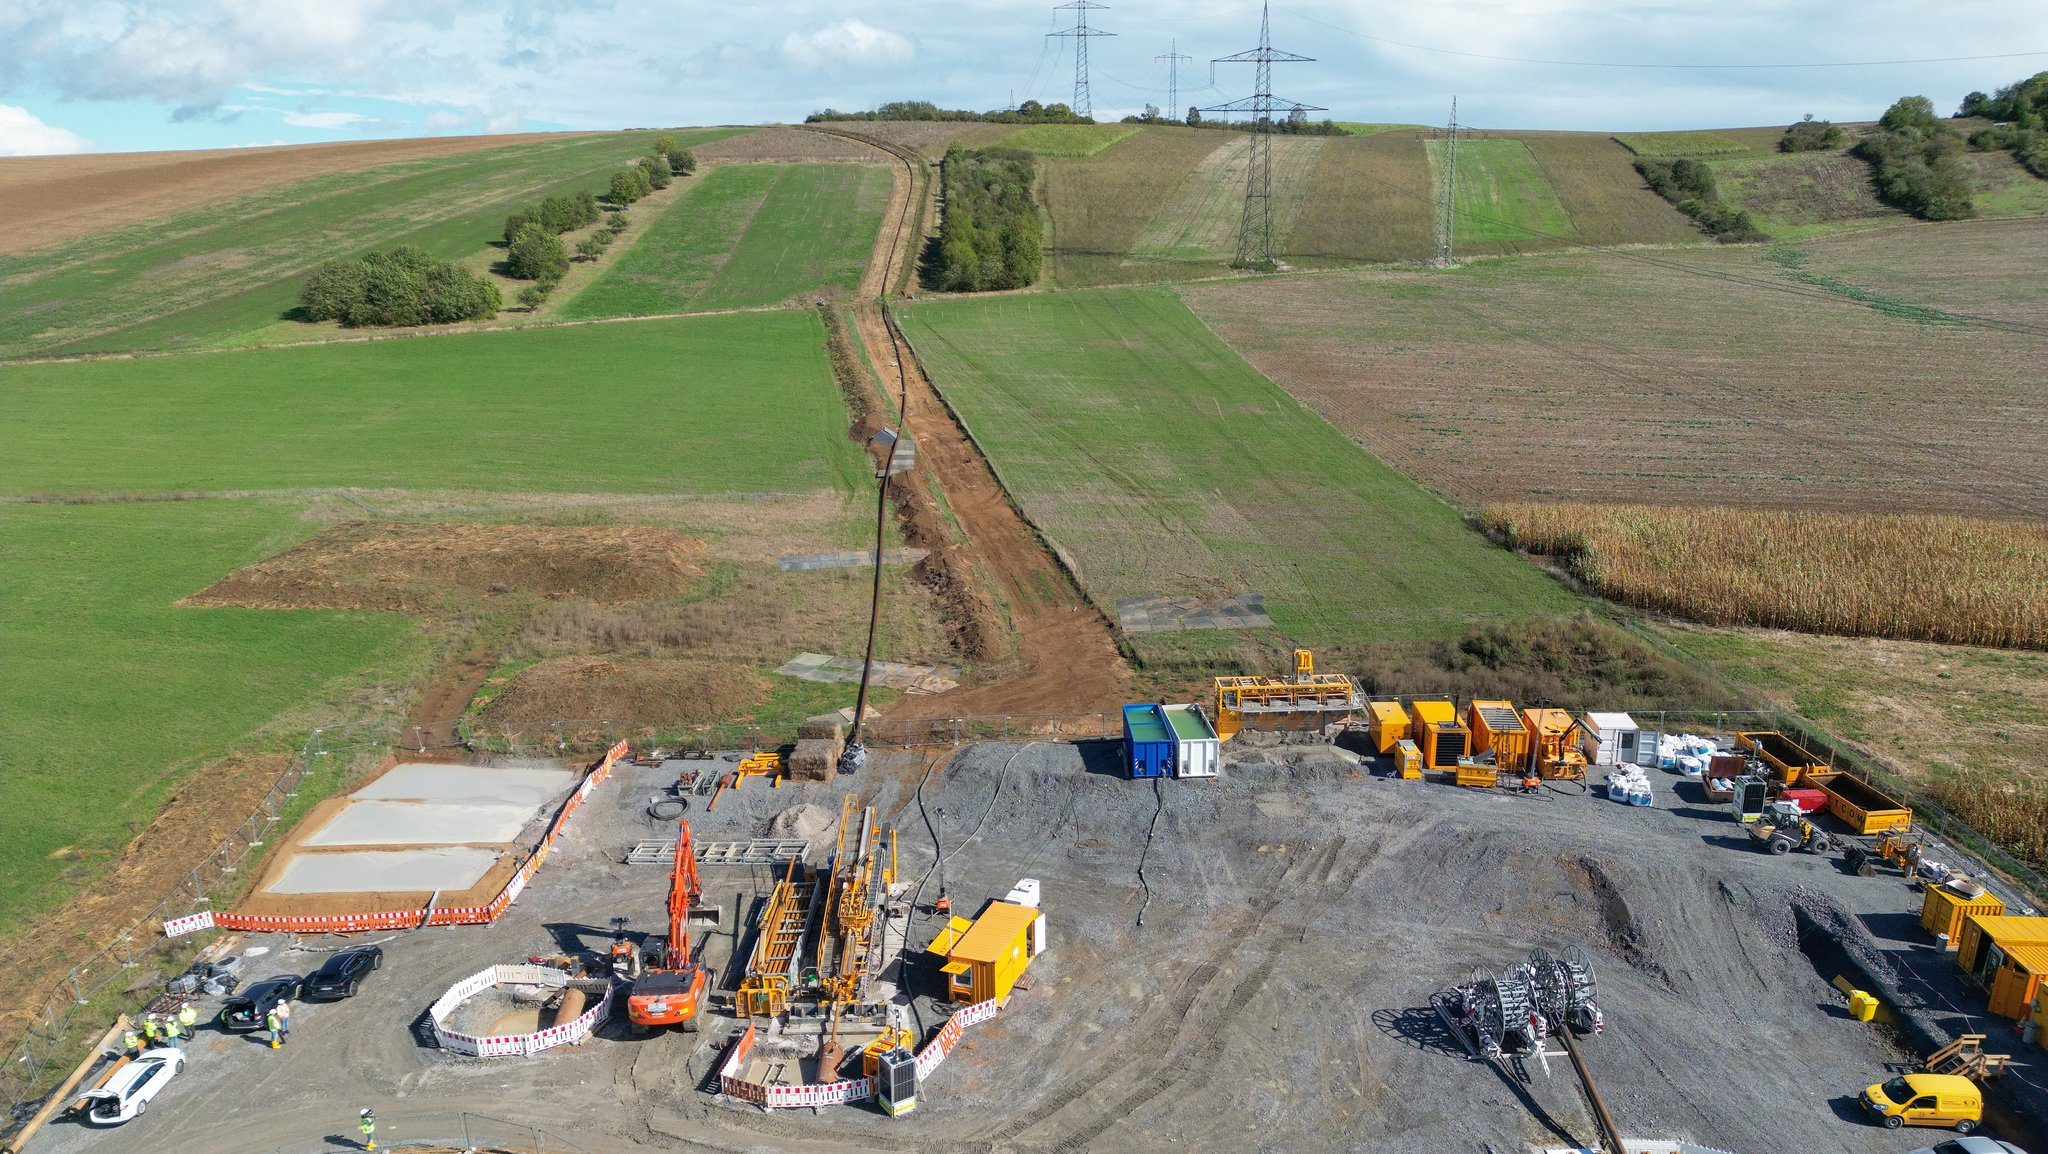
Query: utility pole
[
  {"x": 1255, "y": 230},
  {"x": 1173, "y": 58},
  {"x": 1081, "y": 32},
  {"x": 1447, "y": 189}
]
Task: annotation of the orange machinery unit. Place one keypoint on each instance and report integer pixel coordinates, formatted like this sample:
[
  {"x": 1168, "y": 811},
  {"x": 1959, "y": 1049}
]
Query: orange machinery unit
[
  {"x": 1436, "y": 730},
  {"x": 670, "y": 990},
  {"x": 1498, "y": 729},
  {"x": 1554, "y": 744},
  {"x": 1307, "y": 700},
  {"x": 1387, "y": 725}
]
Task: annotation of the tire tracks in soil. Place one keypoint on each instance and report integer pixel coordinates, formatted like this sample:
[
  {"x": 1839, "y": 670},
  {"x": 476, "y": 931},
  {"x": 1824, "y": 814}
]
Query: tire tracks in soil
[{"x": 1065, "y": 654}]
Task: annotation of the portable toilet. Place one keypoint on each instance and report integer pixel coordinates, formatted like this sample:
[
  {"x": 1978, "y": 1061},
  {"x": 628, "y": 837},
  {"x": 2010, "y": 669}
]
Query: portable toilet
[
  {"x": 1612, "y": 739},
  {"x": 1197, "y": 751},
  {"x": 1148, "y": 742}
]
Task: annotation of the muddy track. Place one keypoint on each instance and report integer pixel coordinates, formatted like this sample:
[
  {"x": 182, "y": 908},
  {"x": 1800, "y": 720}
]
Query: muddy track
[{"x": 1063, "y": 655}]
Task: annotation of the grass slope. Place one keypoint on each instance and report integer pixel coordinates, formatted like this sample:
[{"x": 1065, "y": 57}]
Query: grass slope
[
  {"x": 226, "y": 272},
  {"x": 1503, "y": 197},
  {"x": 742, "y": 403},
  {"x": 1166, "y": 466},
  {"x": 747, "y": 235},
  {"x": 1100, "y": 205},
  {"x": 1066, "y": 139},
  {"x": 113, "y": 692}
]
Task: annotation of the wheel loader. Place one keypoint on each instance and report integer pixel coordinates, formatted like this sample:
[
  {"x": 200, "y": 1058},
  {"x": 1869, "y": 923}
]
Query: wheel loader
[{"x": 1783, "y": 828}]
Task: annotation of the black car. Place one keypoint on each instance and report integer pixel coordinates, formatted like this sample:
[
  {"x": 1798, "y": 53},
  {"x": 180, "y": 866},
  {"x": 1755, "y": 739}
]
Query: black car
[
  {"x": 344, "y": 972},
  {"x": 243, "y": 1014}
]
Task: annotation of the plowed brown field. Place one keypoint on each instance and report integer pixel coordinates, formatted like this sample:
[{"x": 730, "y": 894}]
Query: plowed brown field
[
  {"x": 1698, "y": 377},
  {"x": 54, "y": 198}
]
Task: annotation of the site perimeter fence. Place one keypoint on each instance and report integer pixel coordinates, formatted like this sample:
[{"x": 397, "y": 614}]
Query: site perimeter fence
[{"x": 130, "y": 970}]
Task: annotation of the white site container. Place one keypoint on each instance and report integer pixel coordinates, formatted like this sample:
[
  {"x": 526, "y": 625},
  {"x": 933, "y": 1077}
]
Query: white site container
[
  {"x": 1025, "y": 893},
  {"x": 1197, "y": 751},
  {"x": 1613, "y": 739}
]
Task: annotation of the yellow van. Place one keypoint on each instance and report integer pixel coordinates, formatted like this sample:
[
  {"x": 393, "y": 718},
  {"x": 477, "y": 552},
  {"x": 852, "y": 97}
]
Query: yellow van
[{"x": 1926, "y": 1100}]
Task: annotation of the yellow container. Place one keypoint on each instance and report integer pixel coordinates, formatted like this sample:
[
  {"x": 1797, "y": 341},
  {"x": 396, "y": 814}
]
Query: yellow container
[
  {"x": 1498, "y": 729},
  {"x": 1478, "y": 776},
  {"x": 1981, "y": 931},
  {"x": 1408, "y": 760},
  {"x": 1862, "y": 1006},
  {"x": 1942, "y": 911},
  {"x": 1388, "y": 726},
  {"x": 1425, "y": 712}
]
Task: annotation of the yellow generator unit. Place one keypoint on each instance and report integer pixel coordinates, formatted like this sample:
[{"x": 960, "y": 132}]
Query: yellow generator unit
[
  {"x": 1554, "y": 748},
  {"x": 1407, "y": 760},
  {"x": 1498, "y": 729},
  {"x": 1387, "y": 724},
  {"x": 1307, "y": 700},
  {"x": 1436, "y": 729}
]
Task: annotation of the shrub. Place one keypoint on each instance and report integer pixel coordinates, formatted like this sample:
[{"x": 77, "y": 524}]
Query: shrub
[
  {"x": 616, "y": 222},
  {"x": 1918, "y": 163},
  {"x": 1689, "y": 185},
  {"x": 402, "y": 287},
  {"x": 556, "y": 214},
  {"x": 534, "y": 295},
  {"x": 683, "y": 161},
  {"x": 628, "y": 185},
  {"x": 2022, "y": 110},
  {"x": 591, "y": 247},
  {"x": 659, "y": 174},
  {"x": 535, "y": 254},
  {"x": 991, "y": 236},
  {"x": 1809, "y": 135}
]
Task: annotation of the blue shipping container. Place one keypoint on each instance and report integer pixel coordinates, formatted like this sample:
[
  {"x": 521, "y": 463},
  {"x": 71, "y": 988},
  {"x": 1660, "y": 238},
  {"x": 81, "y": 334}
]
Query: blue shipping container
[{"x": 1148, "y": 741}]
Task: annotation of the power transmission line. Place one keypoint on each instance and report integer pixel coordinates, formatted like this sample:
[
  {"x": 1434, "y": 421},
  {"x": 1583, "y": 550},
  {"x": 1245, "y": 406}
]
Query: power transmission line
[
  {"x": 1173, "y": 58},
  {"x": 1630, "y": 64},
  {"x": 1081, "y": 33},
  {"x": 1255, "y": 230}
]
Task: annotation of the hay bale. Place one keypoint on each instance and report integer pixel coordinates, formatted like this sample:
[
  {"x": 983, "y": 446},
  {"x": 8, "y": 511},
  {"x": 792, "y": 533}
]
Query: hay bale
[
  {"x": 815, "y": 760},
  {"x": 824, "y": 727}
]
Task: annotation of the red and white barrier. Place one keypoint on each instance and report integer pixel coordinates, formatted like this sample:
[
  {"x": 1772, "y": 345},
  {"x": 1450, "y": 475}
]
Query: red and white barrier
[
  {"x": 772, "y": 1097},
  {"x": 190, "y": 923},
  {"x": 409, "y": 919},
  {"x": 512, "y": 1045}
]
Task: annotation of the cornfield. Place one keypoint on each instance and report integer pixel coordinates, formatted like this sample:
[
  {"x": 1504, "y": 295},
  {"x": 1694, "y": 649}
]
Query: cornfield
[{"x": 1959, "y": 580}]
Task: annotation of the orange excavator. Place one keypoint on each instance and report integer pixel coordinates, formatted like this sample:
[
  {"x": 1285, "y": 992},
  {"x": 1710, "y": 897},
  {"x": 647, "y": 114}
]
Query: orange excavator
[{"x": 670, "y": 989}]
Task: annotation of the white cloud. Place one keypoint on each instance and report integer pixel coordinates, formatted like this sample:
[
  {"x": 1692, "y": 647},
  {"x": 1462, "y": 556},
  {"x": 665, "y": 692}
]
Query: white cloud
[
  {"x": 849, "y": 43},
  {"x": 325, "y": 119},
  {"x": 22, "y": 133}
]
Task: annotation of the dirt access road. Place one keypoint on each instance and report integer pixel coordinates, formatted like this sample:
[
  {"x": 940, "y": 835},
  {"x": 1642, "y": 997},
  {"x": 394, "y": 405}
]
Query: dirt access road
[{"x": 1065, "y": 655}]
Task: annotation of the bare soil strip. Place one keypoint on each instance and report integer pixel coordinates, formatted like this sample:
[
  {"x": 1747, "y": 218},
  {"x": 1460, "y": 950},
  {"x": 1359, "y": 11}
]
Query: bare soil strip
[{"x": 1065, "y": 648}]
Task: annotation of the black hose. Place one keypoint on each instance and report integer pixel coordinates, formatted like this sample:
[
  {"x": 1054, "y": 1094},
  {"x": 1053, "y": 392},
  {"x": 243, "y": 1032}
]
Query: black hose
[{"x": 1158, "y": 806}]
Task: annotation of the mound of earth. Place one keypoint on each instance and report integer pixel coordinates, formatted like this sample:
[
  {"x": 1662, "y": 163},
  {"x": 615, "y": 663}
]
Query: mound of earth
[
  {"x": 648, "y": 690},
  {"x": 412, "y": 568}
]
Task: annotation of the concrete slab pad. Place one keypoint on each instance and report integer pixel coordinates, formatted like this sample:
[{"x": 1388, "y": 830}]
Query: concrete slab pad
[
  {"x": 530, "y": 787},
  {"x": 849, "y": 559},
  {"x": 421, "y": 823},
  {"x": 1171, "y": 614},
  {"x": 450, "y": 869},
  {"x": 913, "y": 678}
]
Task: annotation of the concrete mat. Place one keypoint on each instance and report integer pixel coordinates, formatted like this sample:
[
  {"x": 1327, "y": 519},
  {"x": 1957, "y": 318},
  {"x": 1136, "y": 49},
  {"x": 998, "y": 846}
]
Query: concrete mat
[
  {"x": 468, "y": 783},
  {"x": 1172, "y": 614},
  {"x": 421, "y": 823},
  {"x": 389, "y": 871},
  {"x": 911, "y": 678}
]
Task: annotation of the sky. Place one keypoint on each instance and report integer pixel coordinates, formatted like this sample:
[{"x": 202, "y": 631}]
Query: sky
[{"x": 133, "y": 75}]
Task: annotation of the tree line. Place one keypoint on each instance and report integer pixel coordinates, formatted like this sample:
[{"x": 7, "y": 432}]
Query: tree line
[
  {"x": 406, "y": 286},
  {"x": 1029, "y": 112},
  {"x": 1295, "y": 123},
  {"x": 2020, "y": 115},
  {"x": 1918, "y": 162},
  {"x": 990, "y": 235},
  {"x": 1689, "y": 184}
]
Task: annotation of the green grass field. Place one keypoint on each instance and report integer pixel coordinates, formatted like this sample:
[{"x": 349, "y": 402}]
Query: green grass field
[
  {"x": 1503, "y": 195},
  {"x": 1166, "y": 466},
  {"x": 740, "y": 403},
  {"x": 115, "y": 693},
  {"x": 746, "y": 235},
  {"x": 228, "y": 272},
  {"x": 1066, "y": 139}
]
